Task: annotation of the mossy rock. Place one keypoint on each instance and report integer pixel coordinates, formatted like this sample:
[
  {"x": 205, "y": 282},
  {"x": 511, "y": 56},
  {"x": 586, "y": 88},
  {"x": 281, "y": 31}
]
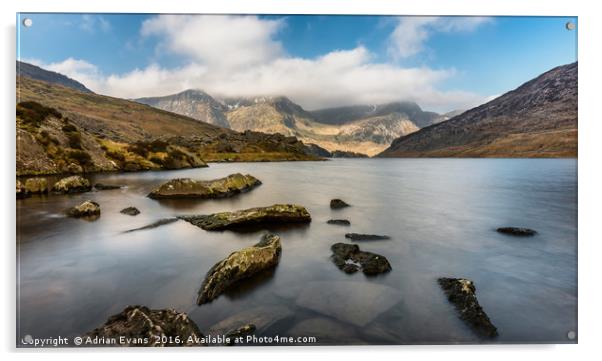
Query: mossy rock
[
  {"x": 239, "y": 265},
  {"x": 73, "y": 184},
  {"x": 142, "y": 323},
  {"x": 36, "y": 185},
  {"x": 217, "y": 188},
  {"x": 276, "y": 214}
]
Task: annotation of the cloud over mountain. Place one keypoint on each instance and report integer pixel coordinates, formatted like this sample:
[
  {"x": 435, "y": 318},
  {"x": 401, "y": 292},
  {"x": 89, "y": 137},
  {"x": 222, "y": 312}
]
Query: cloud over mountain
[{"x": 228, "y": 55}]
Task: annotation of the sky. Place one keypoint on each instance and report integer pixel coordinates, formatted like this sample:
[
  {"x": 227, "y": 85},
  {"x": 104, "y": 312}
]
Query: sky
[{"x": 441, "y": 63}]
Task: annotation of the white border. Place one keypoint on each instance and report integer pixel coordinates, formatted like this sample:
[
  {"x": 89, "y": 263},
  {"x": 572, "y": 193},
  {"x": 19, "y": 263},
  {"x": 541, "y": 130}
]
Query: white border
[{"x": 590, "y": 180}]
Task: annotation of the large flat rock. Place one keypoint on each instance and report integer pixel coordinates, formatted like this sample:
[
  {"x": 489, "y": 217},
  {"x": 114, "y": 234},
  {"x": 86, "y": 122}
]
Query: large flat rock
[
  {"x": 206, "y": 189},
  {"x": 358, "y": 303}
]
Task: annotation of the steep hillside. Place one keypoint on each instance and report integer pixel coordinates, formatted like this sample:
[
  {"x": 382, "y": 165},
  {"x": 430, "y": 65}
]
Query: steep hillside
[
  {"x": 62, "y": 130},
  {"x": 538, "y": 119},
  {"x": 35, "y": 72},
  {"x": 191, "y": 103}
]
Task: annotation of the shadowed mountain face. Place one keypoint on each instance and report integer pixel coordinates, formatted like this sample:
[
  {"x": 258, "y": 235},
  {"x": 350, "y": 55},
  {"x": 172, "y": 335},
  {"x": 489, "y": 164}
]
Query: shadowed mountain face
[
  {"x": 408, "y": 110},
  {"x": 538, "y": 119},
  {"x": 35, "y": 72}
]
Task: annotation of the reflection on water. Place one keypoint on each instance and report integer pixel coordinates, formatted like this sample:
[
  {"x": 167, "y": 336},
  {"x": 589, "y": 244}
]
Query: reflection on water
[{"x": 441, "y": 215}]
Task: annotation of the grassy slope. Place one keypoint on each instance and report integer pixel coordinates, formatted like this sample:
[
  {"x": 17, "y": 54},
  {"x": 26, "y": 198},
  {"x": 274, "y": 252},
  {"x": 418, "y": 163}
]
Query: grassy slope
[{"x": 110, "y": 125}]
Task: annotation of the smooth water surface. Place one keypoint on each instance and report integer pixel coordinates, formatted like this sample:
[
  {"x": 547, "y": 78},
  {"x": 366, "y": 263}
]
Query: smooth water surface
[{"x": 441, "y": 215}]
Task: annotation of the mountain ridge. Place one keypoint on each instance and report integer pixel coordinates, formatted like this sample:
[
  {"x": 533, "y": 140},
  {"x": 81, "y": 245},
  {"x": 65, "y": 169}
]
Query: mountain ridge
[
  {"x": 537, "y": 119},
  {"x": 38, "y": 73}
]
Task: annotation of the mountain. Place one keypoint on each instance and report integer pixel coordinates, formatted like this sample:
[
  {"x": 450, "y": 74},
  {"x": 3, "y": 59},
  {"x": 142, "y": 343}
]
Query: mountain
[
  {"x": 63, "y": 130},
  {"x": 408, "y": 110},
  {"x": 537, "y": 119},
  {"x": 192, "y": 103},
  {"x": 35, "y": 72},
  {"x": 361, "y": 129}
]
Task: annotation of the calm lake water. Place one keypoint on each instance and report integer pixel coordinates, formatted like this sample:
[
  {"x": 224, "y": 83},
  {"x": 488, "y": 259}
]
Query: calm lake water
[{"x": 441, "y": 215}]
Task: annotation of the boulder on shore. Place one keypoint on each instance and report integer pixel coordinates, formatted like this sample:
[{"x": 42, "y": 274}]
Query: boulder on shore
[
  {"x": 73, "y": 184},
  {"x": 350, "y": 259},
  {"x": 275, "y": 214},
  {"x": 21, "y": 190},
  {"x": 130, "y": 211},
  {"x": 85, "y": 209},
  {"x": 517, "y": 231},
  {"x": 153, "y": 326},
  {"x": 104, "y": 187},
  {"x": 340, "y": 222},
  {"x": 36, "y": 185},
  {"x": 240, "y": 265},
  {"x": 217, "y": 188},
  {"x": 365, "y": 237},
  {"x": 462, "y": 293},
  {"x": 338, "y": 204}
]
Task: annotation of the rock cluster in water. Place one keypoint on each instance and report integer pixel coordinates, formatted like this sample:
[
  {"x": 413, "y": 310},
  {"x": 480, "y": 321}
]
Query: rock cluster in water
[
  {"x": 517, "y": 231},
  {"x": 277, "y": 213},
  {"x": 217, "y": 188},
  {"x": 350, "y": 259},
  {"x": 240, "y": 265},
  {"x": 142, "y": 323},
  {"x": 85, "y": 209},
  {"x": 462, "y": 293}
]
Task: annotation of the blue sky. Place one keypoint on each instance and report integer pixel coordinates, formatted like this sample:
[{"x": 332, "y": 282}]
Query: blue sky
[{"x": 442, "y": 63}]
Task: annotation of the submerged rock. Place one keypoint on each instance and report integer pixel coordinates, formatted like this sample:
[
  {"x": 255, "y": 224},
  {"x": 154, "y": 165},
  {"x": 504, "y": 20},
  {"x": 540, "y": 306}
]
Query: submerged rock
[
  {"x": 36, "y": 185},
  {"x": 462, "y": 293},
  {"x": 365, "y": 237},
  {"x": 73, "y": 184},
  {"x": 240, "y": 265},
  {"x": 340, "y": 222},
  {"x": 85, "y": 209},
  {"x": 350, "y": 259},
  {"x": 358, "y": 303},
  {"x": 130, "y": 211},
  {"x": 327, "y": 331},
  {"x": 275, "y": 214},
  {"x": 266, "y": 319},
  {"x": 338, "y": 203},
  {"x": 517, "y": 231},
  {"x": 21, "y": 191},
  {"x": 103, "y": 187},
  {"x": 242, "y": 331},
  {"x": 217, "y": 188},
  {"x": 156, "y": 224},
  {"x": 141, "y": 323}
]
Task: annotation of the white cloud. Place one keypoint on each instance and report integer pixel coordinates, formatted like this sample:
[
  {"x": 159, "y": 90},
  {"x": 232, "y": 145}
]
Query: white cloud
[
  {"x": 410, "y": 34},
  {"x": 223, "y": 41},
  {"x": 237, "y": 56}
]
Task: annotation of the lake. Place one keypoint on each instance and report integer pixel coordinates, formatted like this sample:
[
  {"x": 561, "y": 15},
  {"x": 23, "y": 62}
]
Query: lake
[{"x": 441, "y": 215}]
